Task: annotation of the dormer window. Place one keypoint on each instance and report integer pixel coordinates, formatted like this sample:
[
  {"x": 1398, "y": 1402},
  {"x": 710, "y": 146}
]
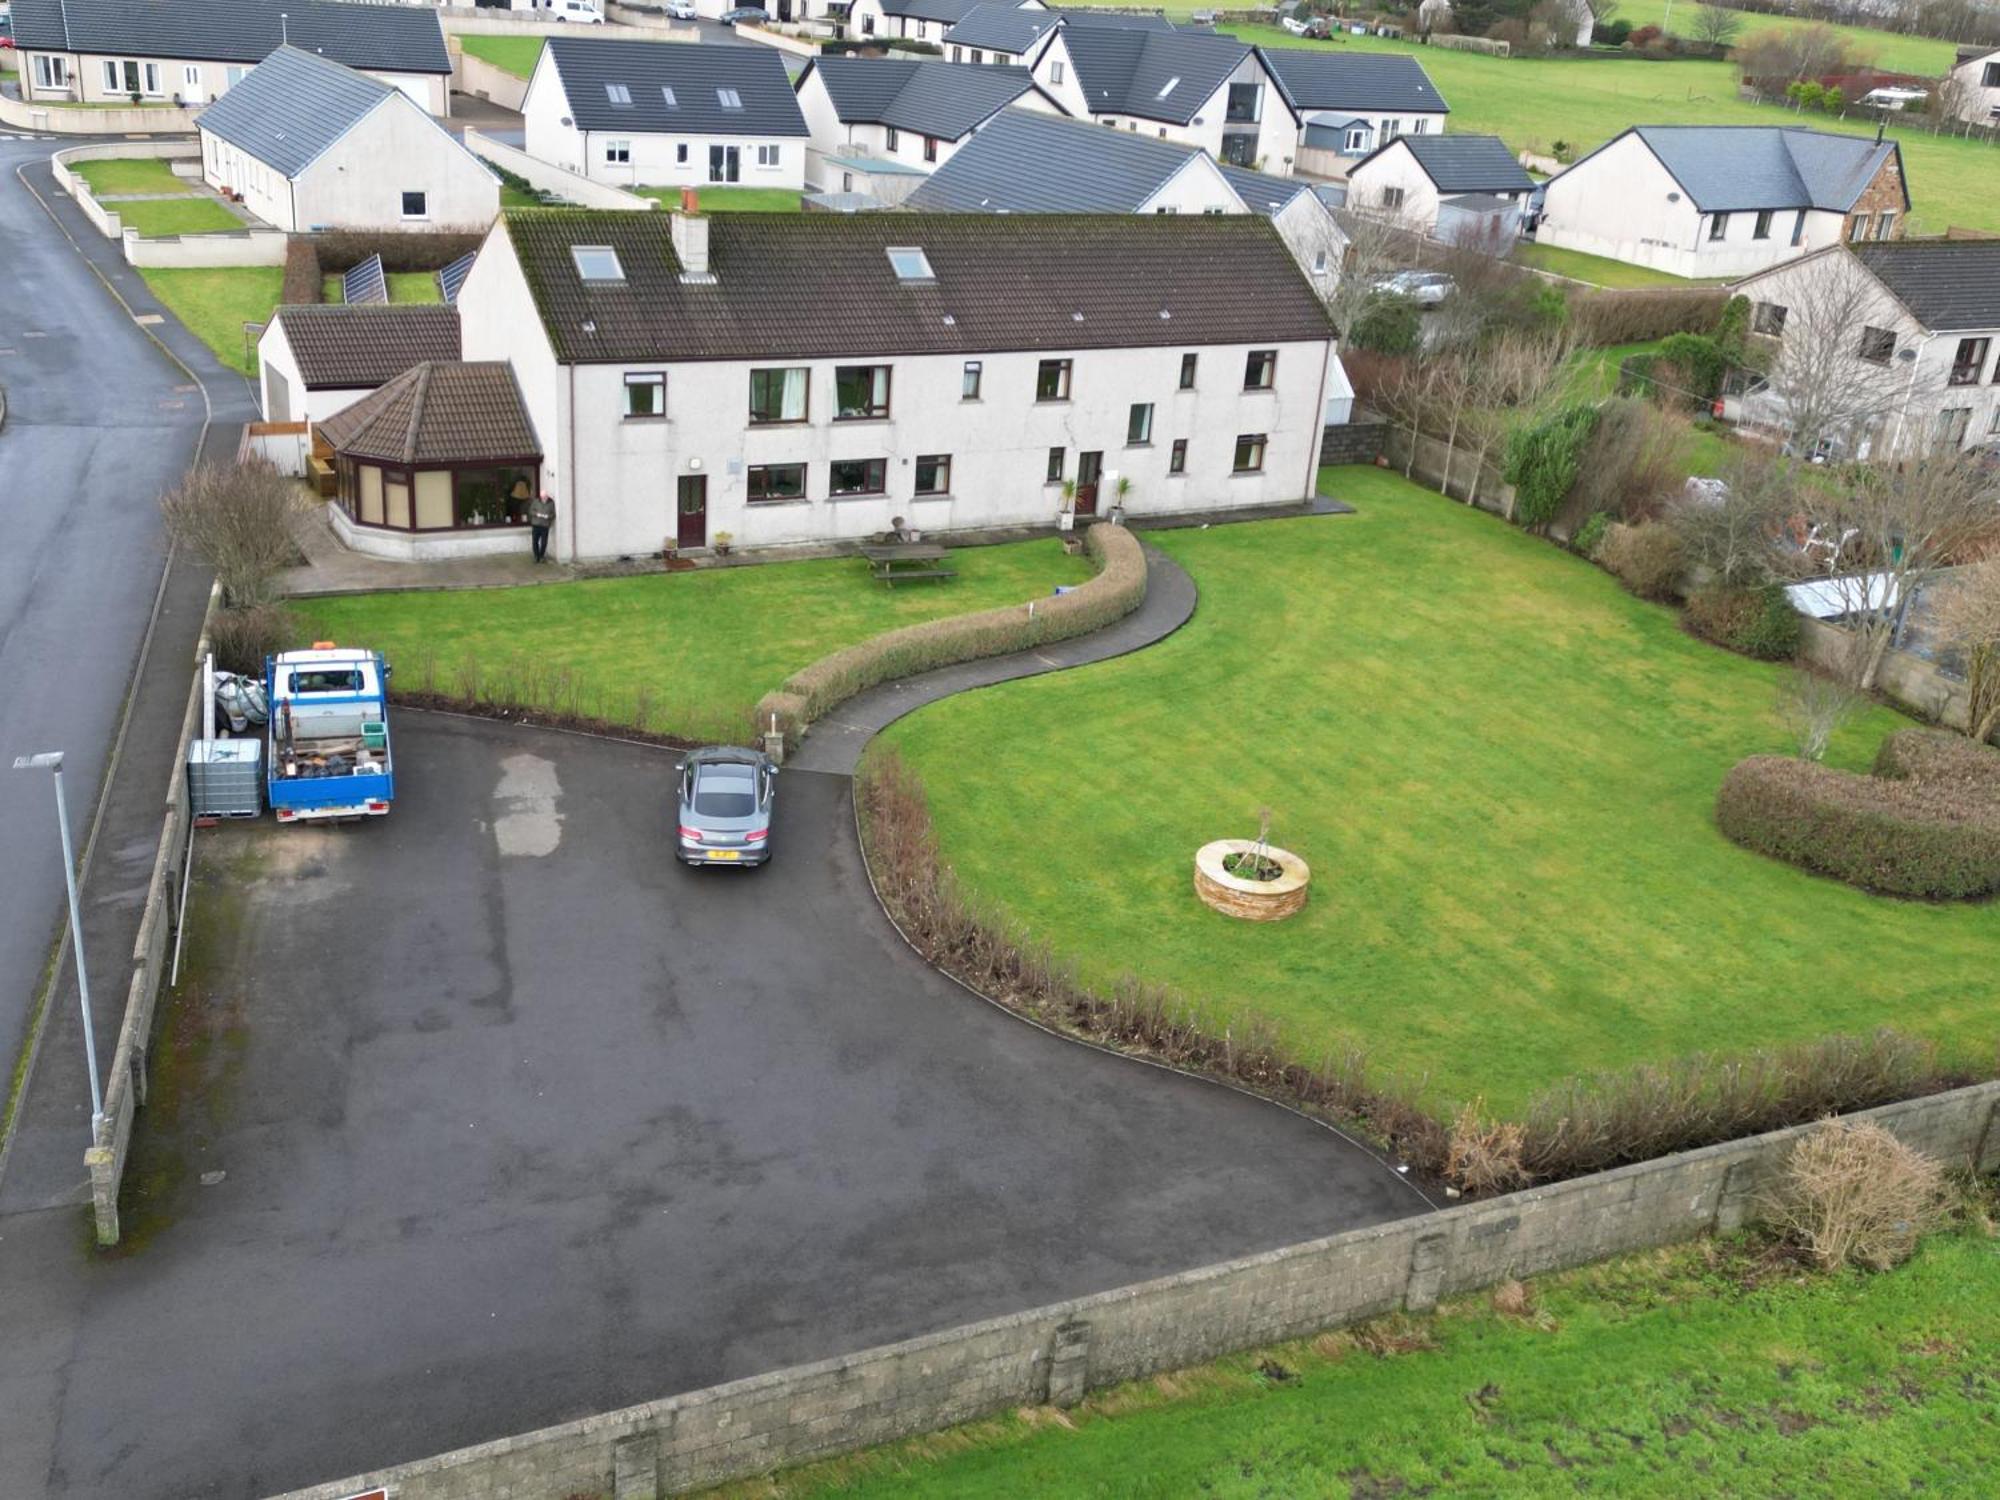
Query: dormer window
[
  {"x": 1167, "y": 88},
  {"x": 597, "y": 263},
  {"x": 667, "y": 93},
  {"x": 910, "y": 263},
  {"x": 618, "y": 94},
  {"x": 729, "y": 98}
]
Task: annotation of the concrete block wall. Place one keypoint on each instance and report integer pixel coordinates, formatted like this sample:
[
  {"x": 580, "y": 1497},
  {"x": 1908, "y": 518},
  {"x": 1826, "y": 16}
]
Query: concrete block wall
[
  {"x": 565, "y": 184},
  {"x": 1053, "y": 1354},
  {"x": 1359, "y": 442},
  {"x": 247, "y": 247},
  {"x": 1910, "y": 680},
  {"x": 1495, "y": 494}
]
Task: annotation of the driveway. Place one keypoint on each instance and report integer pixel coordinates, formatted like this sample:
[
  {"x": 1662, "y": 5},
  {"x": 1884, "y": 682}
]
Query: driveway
[{"x": 520, "y": 1120}]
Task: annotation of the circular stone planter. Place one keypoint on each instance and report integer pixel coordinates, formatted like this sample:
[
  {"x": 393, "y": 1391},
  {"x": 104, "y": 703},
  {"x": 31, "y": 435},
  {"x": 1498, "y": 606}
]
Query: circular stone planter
[{"x": 1252, "y": 900}]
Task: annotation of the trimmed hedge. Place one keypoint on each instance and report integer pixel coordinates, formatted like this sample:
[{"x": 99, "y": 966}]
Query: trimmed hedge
[
  {"x": 1634, "y": 315},
  {"x": 1758, "y": 622},
  {"x": 1935, "y": 758},
  {"x": 304, "y": 284},
  {"x": 341, "y": 250},
  {"x": 1646, "y": 558},
  {"x": 1935, "y": 836},
  {"x": 1117, "y": 590}
]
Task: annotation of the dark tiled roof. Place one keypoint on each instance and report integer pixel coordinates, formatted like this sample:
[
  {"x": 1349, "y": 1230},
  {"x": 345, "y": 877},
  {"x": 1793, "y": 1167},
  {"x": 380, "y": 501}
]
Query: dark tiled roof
[
  {"x": 1261, "y": 192},
  {"x": 1730, "y": 168},
  {"x": 1002, "y": 28},
  {"x": 931, "y": 98},
  {"x": 1122, "y": 71},
  {"x": 696, "y": 74},
  {"x": 1461, "y": 163},
  {"x": 1112, "y": 20},
  {"x": 811, "y": 286},
  {"x": 949, "y": 11},
  {"x": 1377, "y": 82},
  {"x": 380, "y": 38},
  {"x": 291, "y": 107},
  {"x": 1028, "y": 162},
  {"x": 1948, "y": 285},
  {"x": 341, "y": 347},
  {"x": 438, "y": 413}
]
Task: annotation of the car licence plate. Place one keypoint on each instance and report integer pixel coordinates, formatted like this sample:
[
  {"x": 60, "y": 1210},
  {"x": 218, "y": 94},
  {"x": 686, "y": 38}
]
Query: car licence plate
[{"x": 725, "y": 853}]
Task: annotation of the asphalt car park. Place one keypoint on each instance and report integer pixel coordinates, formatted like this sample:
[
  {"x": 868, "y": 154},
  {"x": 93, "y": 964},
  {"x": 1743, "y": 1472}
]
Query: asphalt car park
[{"x": 489, "y": 1114}]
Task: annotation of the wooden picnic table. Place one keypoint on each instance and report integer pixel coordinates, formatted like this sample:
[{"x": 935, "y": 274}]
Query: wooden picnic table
[{"x": 891, "y": 561}]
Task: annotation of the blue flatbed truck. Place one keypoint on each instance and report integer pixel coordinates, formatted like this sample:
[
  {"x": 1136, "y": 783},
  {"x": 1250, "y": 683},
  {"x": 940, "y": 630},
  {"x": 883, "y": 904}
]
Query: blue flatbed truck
[{"x": 329, "y": 754}]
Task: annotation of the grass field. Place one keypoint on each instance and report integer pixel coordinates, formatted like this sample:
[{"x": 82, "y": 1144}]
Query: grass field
[
  {"x": 1900, "y": 54},
  {"x": 515, "y": 54},
  {"x": 156, "y": 218},
  {"x": 1502, "y": 769},
  {"x": 404, "y": 286},
  {"x": 131, "y": 174},
  {"x": 1661, "y": 1376},
  {"x": 1598, "y": 270},
  {"x": 729, "y": 199},
  {"x": 704, "y": 645},
  {"x": 215, "y": 303}
]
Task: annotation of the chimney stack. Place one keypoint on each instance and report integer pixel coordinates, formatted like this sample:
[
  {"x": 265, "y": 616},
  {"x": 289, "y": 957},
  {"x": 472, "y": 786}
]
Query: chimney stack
[{"x": 690, "y": 232}]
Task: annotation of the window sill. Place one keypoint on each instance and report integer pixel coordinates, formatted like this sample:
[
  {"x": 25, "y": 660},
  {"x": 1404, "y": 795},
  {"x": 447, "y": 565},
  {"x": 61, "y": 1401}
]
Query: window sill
[
  {"x": 1052, "y": 401},
  {"x": 1130, "y": 446},
  {"x": 754, "y": 424},
  {"x": 637, "y": 417},
  {"x": 860, "y": 495},
  {"x": 784, "y": 500},
  {"x": 934, "y": 495},
  {"x": 872, "y": 417},
  {"x": 1258, "y": 390},
  {"x": 1177, "y": 473},
  {"x": 1244, "y": 473}
]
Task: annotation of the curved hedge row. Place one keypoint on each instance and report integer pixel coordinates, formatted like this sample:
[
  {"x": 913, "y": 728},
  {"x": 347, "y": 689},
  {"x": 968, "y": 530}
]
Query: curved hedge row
[
  {"x": 1925, "y": 833},
  {"x": 1118, "y": 588}
]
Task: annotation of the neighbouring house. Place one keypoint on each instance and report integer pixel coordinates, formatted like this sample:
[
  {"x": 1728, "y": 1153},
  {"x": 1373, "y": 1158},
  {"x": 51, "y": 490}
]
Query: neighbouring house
[
  {"x": 1002, "y": 34},
  {"x": 309, "y": 144},
  {"x": 1905, "y": 333},
  {"x": 189, "y": 52},
  {"x": 800, "y": 378},
  {"x": 879, "y": 125},
  {"x": 1025, "y": 163},
  {"x": 1199, "y": 88},
  {"x": 1451, "y": 186},
  {"x": 1724, "y": 200},
  {"x": 1349, "y": 103},
  {"x": 666, "y": 115},
  {"x": 914, "y": 20},
  {"x": 316, "y": 360},
  {"x": 440, "y": 462},
  {"x": 1975, "y": 85}
]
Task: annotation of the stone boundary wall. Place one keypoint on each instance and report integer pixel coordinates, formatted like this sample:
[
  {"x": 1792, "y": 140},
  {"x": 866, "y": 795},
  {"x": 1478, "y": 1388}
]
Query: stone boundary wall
[
  {"x": 152, "y": 953},
  {"x": 551, "y": 178},
  {"x": 798, "y": 46},
  {"x": 1918, "y": 685},
  {"x": 245, "y": 247},
  {"x": 457, "y": 21},
  {"x": 489, "y": 81},
  {"x": 1053, "y": 1355},
  {"x": 1353, "y": 442},
  {"x": 106, "y": 220}
]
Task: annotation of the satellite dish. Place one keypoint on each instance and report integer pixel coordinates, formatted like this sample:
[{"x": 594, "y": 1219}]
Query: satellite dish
[
  {"x": 567, "y": 122},
  {"x": 1671, "y": 197}
]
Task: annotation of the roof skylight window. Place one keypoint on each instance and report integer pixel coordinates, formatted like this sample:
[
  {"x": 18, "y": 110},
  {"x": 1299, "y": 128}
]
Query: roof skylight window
[
  {"x": 730, "y": 98},
  {"x": 618, "y": 94},
  {"x": 1167, "y": 88},
  {"x": 667, "y": 92},
  {"x": 910, "y": 263},
  {"x": 597, "y": 263}
]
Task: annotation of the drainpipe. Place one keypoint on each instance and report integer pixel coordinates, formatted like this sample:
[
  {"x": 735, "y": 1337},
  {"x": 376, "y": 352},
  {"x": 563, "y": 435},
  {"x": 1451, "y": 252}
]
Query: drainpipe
[
  {"x": 569, "y": 492},
  {"x": 1909, "y": 389},
  {"x": 1319, "y": 425}
]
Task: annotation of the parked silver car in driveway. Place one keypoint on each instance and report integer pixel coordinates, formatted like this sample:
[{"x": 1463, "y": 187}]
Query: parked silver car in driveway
[{"x": 726, "y": 796}]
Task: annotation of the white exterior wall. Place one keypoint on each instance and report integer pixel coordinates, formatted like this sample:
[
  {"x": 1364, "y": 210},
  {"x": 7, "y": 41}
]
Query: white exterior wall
[
  {"x": 276, "y": 363},
  {"x": 1617, "y": 204},
  {"x": 267, "y": 193},
  {"x": 198, "y": 82},
  {"x": 1394, "y": 168},
  {"x": 359, "y": 183},
  {"x": 1316, "y": 240},
  {"x": 831, "y": 136},
  {"x": 1054, "y": 58},
  {"x": 1197, "y": 188},
  {"x": 1981, "y": 104}
]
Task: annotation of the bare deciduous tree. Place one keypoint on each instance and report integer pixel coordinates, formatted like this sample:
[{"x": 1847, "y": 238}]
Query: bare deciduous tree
[
  {"x": 1966, "y": 611},
  {"x": 1734, "y": 533},
  {"x": 1814, "y": 707},
  {"x": 1515, "y": 378},
  {"x": 1716, "y": 26},
  {"x": 239, "y": 518}
]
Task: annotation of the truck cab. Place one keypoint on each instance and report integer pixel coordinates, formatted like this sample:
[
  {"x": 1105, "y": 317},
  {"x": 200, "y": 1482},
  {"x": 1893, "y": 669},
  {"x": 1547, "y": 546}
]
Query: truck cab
[{"x": 329, "y": 754}]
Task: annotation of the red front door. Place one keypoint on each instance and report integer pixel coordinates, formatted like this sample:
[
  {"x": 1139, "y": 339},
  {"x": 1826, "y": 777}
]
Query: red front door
[
  {"x": 1089, "y": 466},
  {"x": 691, "y": 528}
]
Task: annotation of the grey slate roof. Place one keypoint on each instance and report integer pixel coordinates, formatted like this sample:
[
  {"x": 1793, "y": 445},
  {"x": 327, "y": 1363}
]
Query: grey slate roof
[
  {"x": 816, "y": 286},
  {"x": 291, "y": 107},
  {"x": 1260, "y": 191},
  {"x": 948, "y": 11},
  {"x": 380, "y": 38},
  {"x": 1729, "y": 168},
  {"x": 1481, "y": 203},
  {"x": 1378, "y": 82},
  {"x": 931, "y": 98},
  {"x": 695, "y": 74},
  {"x": 1122, "y": 71},
  {"x": 1003, "y": 28},
  {"x": 1948, "y": 285},
  {"x": 1462, "y": 163},
  {"x": 1027, "y": 162},
  {"x": 342, "y": 347},
  {"x": 1113, "y": 20}
]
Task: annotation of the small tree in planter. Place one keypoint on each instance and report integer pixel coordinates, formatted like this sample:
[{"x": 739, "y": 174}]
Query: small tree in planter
[{"x": 1119, "y": 494}]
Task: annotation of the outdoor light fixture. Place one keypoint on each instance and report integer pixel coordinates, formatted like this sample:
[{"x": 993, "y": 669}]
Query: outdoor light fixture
[{"x": 52, "y": 761}]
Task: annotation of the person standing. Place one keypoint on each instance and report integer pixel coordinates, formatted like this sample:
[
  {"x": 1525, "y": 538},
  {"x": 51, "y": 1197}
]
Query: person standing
[{"x": 541, "y": 516}]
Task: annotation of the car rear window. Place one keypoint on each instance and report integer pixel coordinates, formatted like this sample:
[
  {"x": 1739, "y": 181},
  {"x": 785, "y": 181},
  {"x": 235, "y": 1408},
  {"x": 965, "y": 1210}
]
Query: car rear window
[{"x": 712, "y": 803}]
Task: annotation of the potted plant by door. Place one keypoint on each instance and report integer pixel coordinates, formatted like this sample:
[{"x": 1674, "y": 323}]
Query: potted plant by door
[
  {"x": 722, "y": 543},
  {"x": 1066, "y": 517},
  {"x": 1119, "y": 491}
]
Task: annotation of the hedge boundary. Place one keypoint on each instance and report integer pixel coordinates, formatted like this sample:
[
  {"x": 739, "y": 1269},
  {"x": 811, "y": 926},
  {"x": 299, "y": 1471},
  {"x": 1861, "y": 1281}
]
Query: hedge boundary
[{"x": 1117, "y": 588}]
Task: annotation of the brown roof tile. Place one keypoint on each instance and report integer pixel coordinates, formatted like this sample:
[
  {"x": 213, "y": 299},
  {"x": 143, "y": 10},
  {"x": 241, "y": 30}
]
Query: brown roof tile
[
  {"x": 814, "y": 285},
  {"x": 341, "y": 346},
  {"x": 438, "y": 414}
]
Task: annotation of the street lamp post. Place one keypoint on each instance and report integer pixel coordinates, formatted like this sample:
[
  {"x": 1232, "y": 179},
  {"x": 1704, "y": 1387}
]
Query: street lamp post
[{"x": 52, "y": 761}]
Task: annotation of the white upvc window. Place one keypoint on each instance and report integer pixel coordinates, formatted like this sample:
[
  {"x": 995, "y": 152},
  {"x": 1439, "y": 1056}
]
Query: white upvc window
[
  {"x": 51, "y": 72},
  {"x": 617, "y": 153},
  {"x": 1055, "y": 72},
  {"x": 767, "y": 156}
]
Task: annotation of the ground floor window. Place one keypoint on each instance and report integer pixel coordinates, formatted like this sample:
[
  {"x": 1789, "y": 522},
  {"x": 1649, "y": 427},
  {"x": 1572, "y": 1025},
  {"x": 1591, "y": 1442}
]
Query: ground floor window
[
  {"x": 934, "y": 474},
  {"x": 770, "y": 482},
  {"x": 456, "y": 499},
  {"x": 1177, "y": 464},
  {"x": 858, "y": 476},
  {"x": 1249, "y": 453},
  {"x": 51, "y": 72}
]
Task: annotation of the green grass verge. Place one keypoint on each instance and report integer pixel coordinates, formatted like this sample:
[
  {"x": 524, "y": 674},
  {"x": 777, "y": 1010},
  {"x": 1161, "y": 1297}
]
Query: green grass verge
[
  {"x": 1898, "y": 54},
  {"x": 514, "y": 54},
  {"x": 1502, "y": 769},
  {"x": 1598, "y": 270},
  {"x": 215, "y": 303},
  {"x": 703, "y": 645},
  {"x": 157, "y": 218},
  {"x": 729, "y": 199},
  {"x": 404, "y": 286},
  {"x": 513, "y": 197},
  {"x": 1694, "y": 1371},
  {"x": 131, "y": 174}
]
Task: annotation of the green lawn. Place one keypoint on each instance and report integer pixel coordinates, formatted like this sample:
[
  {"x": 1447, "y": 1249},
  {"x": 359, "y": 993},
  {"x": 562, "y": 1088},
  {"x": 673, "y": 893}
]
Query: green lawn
[
  {"x": 1900, "y": 54},
  {"x": 1502, "y": 769},
  {"x": 728, "y": 199},
  {"x": 516, "y": 54},
  {"x": 131, "y": 174},
  {"x": 1598, "y": 270},
  {"x": 215, "y": 303},
  {"x": 404, "y": 286},
  {"x": 157, "y": 218},
  {"x": 1661, "y": 1376},
  {"x": 513, "y": 197},
  {"x": 705, "y": 645}
]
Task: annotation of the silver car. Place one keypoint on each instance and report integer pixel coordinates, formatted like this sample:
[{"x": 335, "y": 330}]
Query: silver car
[{"x": 726, "y": 796}]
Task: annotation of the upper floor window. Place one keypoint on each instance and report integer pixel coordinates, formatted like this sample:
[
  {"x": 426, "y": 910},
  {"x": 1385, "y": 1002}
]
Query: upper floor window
[
  {"x": 618, "y": 94},
  {"x": 1883, "y": 224},
  {"x": 1762, "y": 229},
  {"x": 969, "y": 384},
  {"x": 646, "y": 394},
  {"x": 1188, "y": 362},
  {"x": 1718, "y": 226},
  {"x": 1767, "y": 318},
  {"x": 597, "y": 263},
  {"x": 1260, "y": 369},
  {"x": 890, "y": 139},
  {"x": 1055, "y": 72},
  {"x": 1249, "y": 453},
  {"x": 768, "y": 156},
  {"x": 1392, "y": 197},
  {"x": 1139, "y": 423},
  {"x": 1969, "y": 363},
  {"x": 1878, "y": 345},
  {"x": 930, "y": 148},
  {"x": 778, "y": 395},
  {"x": 860, "y": 391},
  {"x": 1857, "y": 228},
  {"x": 1052, "y": 380}
]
